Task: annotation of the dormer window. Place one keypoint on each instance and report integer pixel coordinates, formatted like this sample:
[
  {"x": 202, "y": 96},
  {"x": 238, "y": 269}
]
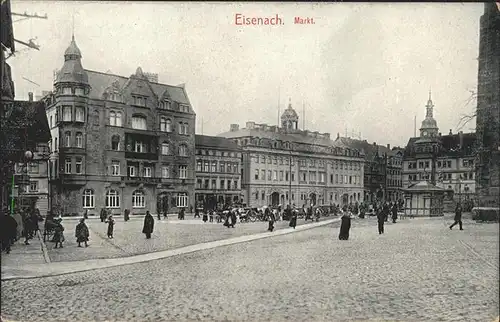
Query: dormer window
[
  {"x": 67, "y": 91},
  {"x": 165, "y": 105},
  {"x": 139, "y": 100},
  {"x": 184, "y": 108}
]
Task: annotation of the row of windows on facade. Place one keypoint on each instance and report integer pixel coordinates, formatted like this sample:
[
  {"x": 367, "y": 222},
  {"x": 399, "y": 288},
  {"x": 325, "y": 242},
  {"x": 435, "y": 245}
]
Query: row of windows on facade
[
  {"x": 211, "y": 166},
  {"x": 132, "y": 170},
  {"x": 303, "y": 175},
  {"x": 138, "y": 199},
  {"x": 218, "y": 153},
  {"x": 205, "y": 184},
  {"x": 466, "y": 163},
  {"x": 139, "y": 122},
  {"x": 442, "y": 176},
  {"x": 303, "y": 196},
  {"x": 305, "y": 147},
  {"x": 117, "y": 97},
  {"x": 310, "y": 162}
]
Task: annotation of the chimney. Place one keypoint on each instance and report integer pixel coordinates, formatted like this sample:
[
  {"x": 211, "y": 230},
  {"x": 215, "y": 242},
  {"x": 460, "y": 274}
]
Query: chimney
[
  {"x": 30, "y": 96},
  {"x": 461, "y": 138},
  {"x": 234, "y": 127},
  {"x": 450, "y": 132},
  {"x": 338, "y": 135},
  {"x": 388, "y": 146}
]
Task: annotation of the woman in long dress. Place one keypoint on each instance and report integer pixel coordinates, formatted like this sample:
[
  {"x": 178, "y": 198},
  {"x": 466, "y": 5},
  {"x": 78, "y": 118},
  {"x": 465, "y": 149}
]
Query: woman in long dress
[
  {"x": 149, "y": 223},
  {"x": 111, "y": 226},
  {"x": 293, "y": 218},
  {"x": 82, "y": 233},
  {"x": 345, "y": 226}
]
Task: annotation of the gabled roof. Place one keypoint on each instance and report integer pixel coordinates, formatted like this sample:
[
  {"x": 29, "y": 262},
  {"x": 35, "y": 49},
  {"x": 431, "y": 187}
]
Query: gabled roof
[
  {"x": 99, "y": 82},
  {"x": 215, "y": 142}
]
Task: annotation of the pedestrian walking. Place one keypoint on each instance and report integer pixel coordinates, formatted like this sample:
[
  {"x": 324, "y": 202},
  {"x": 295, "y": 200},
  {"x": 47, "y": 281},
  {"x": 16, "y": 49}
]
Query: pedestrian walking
[
  {"x": 345, "y": 226},
  {"x": 211, "y": 217},
  {"x": 35, "y": 218},
  {"x": 126, "y": 215},
  {"x": 205, "y": 217},
  {"x": 111, "y": 226},
  {"x": 149, "y": 223},
  {"x": 58, "y": 233},
  {"x": 196, "y": 213},
  {"x": 182, "y": 214},
  {"x": 380, "y": 219},
  {"x": 386, "y": 211},
  {"x": 82, "y": 233},
  {"x": 272, "y": 219},
  {"x": 27, "y": 232},
  {"x": 293, "y": 218},
  {"x": 394, "y": 213},
  {"x": 233, "y": 218},
  {"x": 158, "y": 215},
  {"x": 103, "y": 214},
  {"x": 8, "y": 226},
  {"x": 458, "y": 217}
]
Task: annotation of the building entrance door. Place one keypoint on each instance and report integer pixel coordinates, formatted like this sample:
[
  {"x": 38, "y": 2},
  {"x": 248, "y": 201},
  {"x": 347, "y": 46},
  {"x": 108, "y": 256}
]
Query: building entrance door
[
  {"x": 312, "y": 199},
  {"x": 275, "y": 199}
]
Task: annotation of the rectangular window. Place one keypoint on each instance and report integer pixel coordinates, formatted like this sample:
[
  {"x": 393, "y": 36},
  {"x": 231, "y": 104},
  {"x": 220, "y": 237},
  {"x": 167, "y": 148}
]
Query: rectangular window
[
  {"x": 321, "y": 177},
  {"x": 67, "y": 91},
  {"x": 293, "y": 177},
  {"x": 214, "y": 184},
  {"x": 287, "y": 176},
  {"x": 263, "y": 196},
  {"x": 34, "y": 167},
  {"x": 131, "y": 171},
  {"x": 34, "y": 186},
  {"x": 67, "y": 165},
  {"x": 182, "y": 172},
  {"x": 235, "y": 184},
  {"x": 229, "y": 167},
  {"x": 206, "y": 166},
  {"x": 67, "y": 113},
  {"x": 213, "y": 168},
  {"x": 256, "y": 174},
  {"x": 222, "y": 185},
  {"x": 146, "y": 172},
  {"x": 281, "y": 175},
  {"x": 78, "y": 166},
  {"x": 263, "y": 159},
  {"x": 79, "y": 92},
  {"x": 80, "y": 114},
  {"x": 206, "y": 183},
  {"x": 139, "y": 123},
  {"x": 165, "y": 172},
  {"x": 222, "y": 167},
  {"x": 331, "y": 178},
  {"x": 262, "y": 174},
  {"x": 275, "y": 176},
  {"x": 269, "y": 175},
  {"x": 182, "y": 200},
  {"x": 140, "y": 147},
  {"x": 198, "y": 166},
  {"x": 228, "y": 184}
]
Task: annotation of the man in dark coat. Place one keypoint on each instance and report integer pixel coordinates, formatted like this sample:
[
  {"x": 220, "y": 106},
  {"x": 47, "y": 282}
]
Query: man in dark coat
[
  {"x": 394, "y": 213},
  {"x": 103, "y": 215},
  {"x": 82, "y": 233},
  {"x": 233, "y": 218},
  {"x": 386, "y": 211},
  {"x": 8, "y": 231},
  {"x": 272, "y": 219},
  {"x": 293, "y": 218},
  {"x": 380, "y": 219},
  {"x": 345, "y": 226},
  {"x": 458, "y": 217},
  {"x": 149, "y": 223}
]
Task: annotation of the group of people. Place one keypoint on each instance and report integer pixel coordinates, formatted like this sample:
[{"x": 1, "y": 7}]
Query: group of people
[{"x": 22, "y": 223}]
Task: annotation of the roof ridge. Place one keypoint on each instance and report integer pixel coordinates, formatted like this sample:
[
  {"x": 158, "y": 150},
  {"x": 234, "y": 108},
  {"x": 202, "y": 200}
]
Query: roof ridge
[{"x": 125, "y": 77}]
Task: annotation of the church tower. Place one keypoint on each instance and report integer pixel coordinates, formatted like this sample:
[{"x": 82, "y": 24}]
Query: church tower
[
  {"x": 289, "y": 118},
  {"x": 429, "y": 126},
  {"x": 72, "y": 79},
  {"x": 488, "y": 108}
]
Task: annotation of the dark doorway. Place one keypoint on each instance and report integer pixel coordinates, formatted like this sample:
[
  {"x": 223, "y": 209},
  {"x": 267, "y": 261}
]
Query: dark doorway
[
  {"x": 345, "y": 199},
  {"x": 275, "y": 199},
  {"x": 312, "y": 199},
  {"x": 162, "y": 203}
]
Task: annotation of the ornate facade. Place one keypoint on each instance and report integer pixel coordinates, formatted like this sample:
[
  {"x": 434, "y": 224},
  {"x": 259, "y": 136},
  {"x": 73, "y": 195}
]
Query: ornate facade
[
  {"x": 218, "y": 172},
  {"x": 119, "y": 142},
  {"x": 286, "y": 165},
  {"x": 444, "y": 160}
]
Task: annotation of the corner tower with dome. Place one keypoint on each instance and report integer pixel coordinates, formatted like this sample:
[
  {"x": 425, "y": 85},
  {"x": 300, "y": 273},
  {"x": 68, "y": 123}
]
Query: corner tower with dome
[
  {"x": 118, "y": 142},
  {"x": 429, "y": 128}
]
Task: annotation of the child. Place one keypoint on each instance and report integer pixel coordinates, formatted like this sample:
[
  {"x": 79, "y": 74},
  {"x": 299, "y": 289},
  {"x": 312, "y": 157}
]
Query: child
[
  {"x": 58, "y": 233},
  {"x": 111, "y": 225}
]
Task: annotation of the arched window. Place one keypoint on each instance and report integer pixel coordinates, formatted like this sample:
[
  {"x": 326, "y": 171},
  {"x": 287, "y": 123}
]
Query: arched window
[
  {"x": 79, "y": 140},
  {"x": 115, "y": 143},
  {"x": 181, "y": 128},
  {"x": 168, "y": 126},
  {"x": 112, "y": 118},
  {"x": 186, "y": 128},
  {"x": 165, "y": 148},
  {"x": 88, "y": 198},
  {"x": 138, "y": 200},
  {"x": 139, "y": 122},
  {"x": 163, "y": 124},
  {"x": 112, "y": 199},
  {"x": 182, "y": 150},
  {"x": 118, "y": 119},
  {"x": 67, "y": 139}
]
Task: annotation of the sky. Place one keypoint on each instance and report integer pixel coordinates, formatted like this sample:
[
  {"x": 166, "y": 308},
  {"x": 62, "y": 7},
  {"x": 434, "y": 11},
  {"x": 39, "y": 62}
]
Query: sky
[{"x": 362, "y": 69}]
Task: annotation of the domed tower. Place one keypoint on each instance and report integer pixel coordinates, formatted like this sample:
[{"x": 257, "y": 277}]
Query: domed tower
[
  {"x": 289, "y": 118},
  {"x": 72, "y": 79},
  {"x": 429, "y": 126}
]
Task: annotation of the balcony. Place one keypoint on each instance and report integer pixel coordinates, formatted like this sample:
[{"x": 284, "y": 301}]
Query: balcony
[
  {"x": 142, "y": 156},
  {"x": 143, "y": 180}
]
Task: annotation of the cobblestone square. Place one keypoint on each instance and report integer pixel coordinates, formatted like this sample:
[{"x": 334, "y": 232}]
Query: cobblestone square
[{"x": 418, "y": 270}]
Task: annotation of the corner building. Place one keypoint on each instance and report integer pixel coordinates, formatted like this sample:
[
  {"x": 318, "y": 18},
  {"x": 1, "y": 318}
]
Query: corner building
[
  {"x": 285, "y": 165},
  {"x": 119, "y": 142}
]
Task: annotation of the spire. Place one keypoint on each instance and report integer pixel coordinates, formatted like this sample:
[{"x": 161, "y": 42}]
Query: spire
[
  {"x": 429, "y": 94},
  {"x": 73, "y": 30},
  {"x": 290, "y": 103}
]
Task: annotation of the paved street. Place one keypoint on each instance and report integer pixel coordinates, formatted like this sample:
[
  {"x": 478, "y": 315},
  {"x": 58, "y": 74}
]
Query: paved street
[
  {"x": 129, "y": 240},
  {"x": 418, "y": 271}
]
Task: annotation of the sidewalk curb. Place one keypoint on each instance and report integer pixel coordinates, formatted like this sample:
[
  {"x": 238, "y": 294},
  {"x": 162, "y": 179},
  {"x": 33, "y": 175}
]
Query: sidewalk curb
[
  {"x": 95, "y": 264},
  {"x": 45, "y": 252}
]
